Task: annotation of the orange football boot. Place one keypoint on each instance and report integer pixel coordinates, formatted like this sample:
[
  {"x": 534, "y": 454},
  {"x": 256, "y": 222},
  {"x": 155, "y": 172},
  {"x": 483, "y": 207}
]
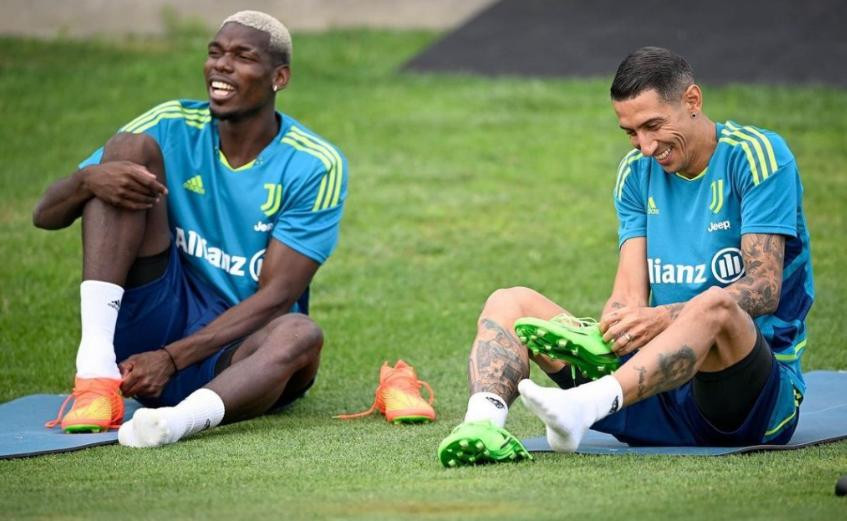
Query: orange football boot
[
  {"x": 398, "y": 396},
  {"x": 98, "y": 406}
]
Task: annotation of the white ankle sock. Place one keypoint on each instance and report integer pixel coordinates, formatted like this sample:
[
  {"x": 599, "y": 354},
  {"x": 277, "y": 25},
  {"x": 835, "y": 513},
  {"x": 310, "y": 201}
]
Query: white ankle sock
[
  {"x": 99, "y": 306},
  {"x": 568, "y": 414},
  {"x": 487, "y": 406},
  {"x": 202, "y": 409}
]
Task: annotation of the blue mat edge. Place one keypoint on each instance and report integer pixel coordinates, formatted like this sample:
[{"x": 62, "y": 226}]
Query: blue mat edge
[
  {"x": 111, "y": 436},
  {"x": 539, "y": 444},
  {"x": 690, "y": 450},
  {"x": 537, "y": 441},
  {"x": 59, "y": 451}
]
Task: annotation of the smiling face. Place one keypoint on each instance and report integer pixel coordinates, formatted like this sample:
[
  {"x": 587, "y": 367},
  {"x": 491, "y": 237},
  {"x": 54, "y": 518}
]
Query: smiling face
[
  {"x": 665, "y": 130},
  {"x": 240, "y": 72}
]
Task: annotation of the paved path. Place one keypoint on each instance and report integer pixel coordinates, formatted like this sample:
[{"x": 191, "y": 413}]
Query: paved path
[
  {"x": 756, "y": 41},
  {"x": 80, "y": 18}
]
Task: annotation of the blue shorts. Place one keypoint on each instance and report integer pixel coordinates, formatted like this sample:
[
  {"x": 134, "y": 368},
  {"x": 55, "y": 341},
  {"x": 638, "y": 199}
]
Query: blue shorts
[
  {"x": 171, "y": 307},
  {"x": 673, "y": 418}
]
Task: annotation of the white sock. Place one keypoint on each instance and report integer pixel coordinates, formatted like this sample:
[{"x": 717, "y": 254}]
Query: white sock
[
  {"x": 568, "y": 414},
  {"x": 487, "y": 406},
  {"x": 99, "y": 306},
  {"x": 202, "y": 409}
]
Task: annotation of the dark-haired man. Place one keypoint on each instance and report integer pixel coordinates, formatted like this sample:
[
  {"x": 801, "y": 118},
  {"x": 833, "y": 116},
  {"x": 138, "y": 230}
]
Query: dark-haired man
[
  {"x": 203, "y": 225},
  {"x": 708, "y": 307}
]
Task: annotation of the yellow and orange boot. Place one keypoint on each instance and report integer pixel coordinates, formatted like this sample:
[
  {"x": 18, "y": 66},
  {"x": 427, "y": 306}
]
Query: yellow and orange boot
[
  {"x": 398, "y": 396},
  {"x": 98, "y": 406}
]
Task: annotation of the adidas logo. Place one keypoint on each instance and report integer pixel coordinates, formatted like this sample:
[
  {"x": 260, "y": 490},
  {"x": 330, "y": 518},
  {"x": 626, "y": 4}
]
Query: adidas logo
[
  {"x": 195, "y": 184},
  {"x": 115, "y": 304},
  {"x": 652, "y": 209}
]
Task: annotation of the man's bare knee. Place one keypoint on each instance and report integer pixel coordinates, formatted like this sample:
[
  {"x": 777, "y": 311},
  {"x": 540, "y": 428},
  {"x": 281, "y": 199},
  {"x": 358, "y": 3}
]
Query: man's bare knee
[
  {"x": 292, "y": 336},
  {"x": 513, "y": 297},
  {"x": 717, "y": 306},
  {"x": 733, "y": 330},
  {"x": 137, "y": 148}
]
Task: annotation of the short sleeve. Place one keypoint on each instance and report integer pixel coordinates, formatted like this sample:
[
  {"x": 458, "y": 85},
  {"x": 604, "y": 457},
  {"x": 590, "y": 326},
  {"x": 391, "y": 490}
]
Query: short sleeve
[
  {"x": 629, "y": 200},
  {"x": 769, "y": 185},
  {"x": 309, "y": 219},
  {"x": 93, "y": 159},
  {"x": 152, "y": 123}
]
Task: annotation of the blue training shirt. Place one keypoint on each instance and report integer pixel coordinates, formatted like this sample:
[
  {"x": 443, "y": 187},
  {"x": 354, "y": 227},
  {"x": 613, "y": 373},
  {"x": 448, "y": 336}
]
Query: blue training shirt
[
  {"x": 694, "y": 227},
  {"x": 221, "y": 218}
]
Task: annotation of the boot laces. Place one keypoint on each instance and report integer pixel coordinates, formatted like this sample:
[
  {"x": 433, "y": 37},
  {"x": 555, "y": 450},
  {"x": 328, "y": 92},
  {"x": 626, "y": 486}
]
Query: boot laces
[{"x": 77, "y": 393}]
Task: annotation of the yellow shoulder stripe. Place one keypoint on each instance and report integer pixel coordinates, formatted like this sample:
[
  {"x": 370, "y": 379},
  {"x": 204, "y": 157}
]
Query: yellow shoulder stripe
[
  {"x": 748, "y": 139},
  {"x": 171, "y": 110},
  {"x": 755, "y": 141},
  {"x": 329, "y": 192},
  {"x": 152, "y": 112},
  {"x": 750, "y": 160},
  {"x": 330, "y": 168},
  {"x": 333, "y": 190},
  {"x": 765, "y": 140},
  {"x": 625, "y": 169}
]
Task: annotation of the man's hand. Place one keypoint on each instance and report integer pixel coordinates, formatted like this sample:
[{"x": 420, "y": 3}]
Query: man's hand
[
  {"x": 632, "y": 327},
  {"x": 123, "y": 184},
  {"x": 146, "y": 374}
]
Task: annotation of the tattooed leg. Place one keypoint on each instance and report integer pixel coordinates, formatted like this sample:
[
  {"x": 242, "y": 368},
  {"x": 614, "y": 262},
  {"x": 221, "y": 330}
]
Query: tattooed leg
[
  {"x": 498, "y": 361},
  {"x": 711, "y": 333}
]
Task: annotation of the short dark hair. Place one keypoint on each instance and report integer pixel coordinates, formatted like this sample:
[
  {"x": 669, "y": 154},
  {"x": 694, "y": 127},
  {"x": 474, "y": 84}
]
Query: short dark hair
[{"x": 652, "y": 68}]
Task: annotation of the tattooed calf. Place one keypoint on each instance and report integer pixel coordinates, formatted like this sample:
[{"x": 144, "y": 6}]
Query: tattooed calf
[{"x": 498, "y": 363}]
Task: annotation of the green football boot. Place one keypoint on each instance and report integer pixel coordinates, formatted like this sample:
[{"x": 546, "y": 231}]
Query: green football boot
[
  {"x": 577, "y": 341},
  {"x": 473, "y": 443}
]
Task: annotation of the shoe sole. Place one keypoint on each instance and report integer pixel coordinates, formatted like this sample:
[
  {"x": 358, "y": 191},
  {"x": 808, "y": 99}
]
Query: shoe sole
[
  {"x": 409, "y": 415},
  {"x": 471, "y": 450},
  {"x": 410, "y": 420},
  {"x": 76, "y": 429},
  {"x": 547, "y": 338}
]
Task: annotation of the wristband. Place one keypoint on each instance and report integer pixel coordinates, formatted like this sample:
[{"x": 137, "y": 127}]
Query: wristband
[{"x": 171, "y": 357}]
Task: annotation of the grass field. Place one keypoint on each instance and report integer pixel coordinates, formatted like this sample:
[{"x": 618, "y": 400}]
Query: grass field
[{"x": 459, "y": 186}]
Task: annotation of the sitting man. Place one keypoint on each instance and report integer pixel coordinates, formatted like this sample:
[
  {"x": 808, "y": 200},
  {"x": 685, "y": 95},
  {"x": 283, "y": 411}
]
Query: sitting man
[
  {"x": 203, "y": 224},
  {"x": 708, "y": 306}
]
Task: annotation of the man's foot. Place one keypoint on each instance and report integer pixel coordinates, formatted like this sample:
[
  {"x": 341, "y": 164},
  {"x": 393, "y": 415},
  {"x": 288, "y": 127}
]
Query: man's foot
[
  {"x": 98, "y": 406},
  {"x": 201, "y": 410},
  {"x": 149, "y": 428},
  {"x": 565, "y": 417},
  {"x": 575, "y": 341},
  {"x": 398, "y": 396},
  {"x": 478, "y": 442}
]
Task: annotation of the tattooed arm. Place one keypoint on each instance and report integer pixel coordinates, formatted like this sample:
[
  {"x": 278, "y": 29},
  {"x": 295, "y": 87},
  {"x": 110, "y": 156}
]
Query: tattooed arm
[
  {"x": 757, "y": 292},
  {"x": 498, "y": 361}
]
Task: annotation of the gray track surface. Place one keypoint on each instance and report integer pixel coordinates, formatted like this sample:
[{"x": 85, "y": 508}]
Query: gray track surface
[{"x": 785, "y": 42}]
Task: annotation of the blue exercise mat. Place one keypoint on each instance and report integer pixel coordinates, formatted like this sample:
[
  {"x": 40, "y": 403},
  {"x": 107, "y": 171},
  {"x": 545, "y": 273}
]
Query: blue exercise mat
[
  {"x": 823, "y": 419},
  {"x": 22, "y": 431}
]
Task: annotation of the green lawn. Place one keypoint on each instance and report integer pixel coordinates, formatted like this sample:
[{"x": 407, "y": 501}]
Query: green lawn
[{"x": 457, "y": 185}]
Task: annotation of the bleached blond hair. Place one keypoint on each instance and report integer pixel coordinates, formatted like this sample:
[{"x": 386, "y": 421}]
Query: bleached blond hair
[{"x": 280, "y": 37}]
